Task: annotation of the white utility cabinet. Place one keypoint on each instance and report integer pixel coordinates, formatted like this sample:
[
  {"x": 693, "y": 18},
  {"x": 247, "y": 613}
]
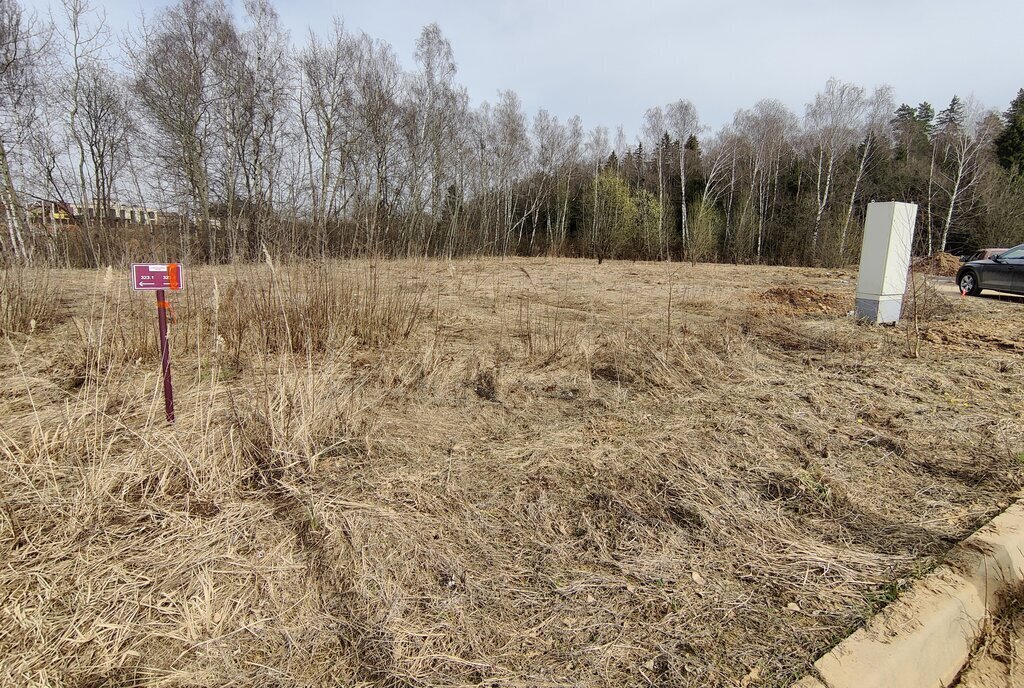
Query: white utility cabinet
[{"x": 885, "y": 260}]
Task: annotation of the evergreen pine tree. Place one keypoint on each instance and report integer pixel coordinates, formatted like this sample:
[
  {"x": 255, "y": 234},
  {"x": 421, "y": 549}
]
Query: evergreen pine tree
[
  {"x": 903, "y": 123},
  {"x": 910, "y": 132},
  {"x": 952, "y": 118},
  {"x": 904, "y": 113},
  {"x": 1010, "y": 142},
  {"x": 925, "y": 114}
]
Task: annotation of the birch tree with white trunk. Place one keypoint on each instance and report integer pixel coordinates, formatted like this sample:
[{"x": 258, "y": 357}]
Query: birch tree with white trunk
[
  {"x": 684, "y": 123},
  {"x": 875, "y": 128},
  {"x": 19, "y": 52},
  {"x": 655, "y": 129},
  {"x": 832, "y": 123},
  {"x": 963, "y": 148}
]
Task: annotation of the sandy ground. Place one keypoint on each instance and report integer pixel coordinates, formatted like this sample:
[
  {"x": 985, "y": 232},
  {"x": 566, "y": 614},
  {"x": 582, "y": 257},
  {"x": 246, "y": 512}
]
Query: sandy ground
[
  {"x": 999, "y": 661},
  {"x": 485, "y": 472}
]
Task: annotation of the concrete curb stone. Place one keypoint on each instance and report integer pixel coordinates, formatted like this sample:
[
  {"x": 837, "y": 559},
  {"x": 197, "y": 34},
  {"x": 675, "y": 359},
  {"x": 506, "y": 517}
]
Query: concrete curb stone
[{"x": 924, "y": 639}]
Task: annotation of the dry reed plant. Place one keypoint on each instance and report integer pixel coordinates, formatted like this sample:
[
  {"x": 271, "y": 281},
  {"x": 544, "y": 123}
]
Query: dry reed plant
[
  {"x": 500, "y": 473},
  {"x": 28, "y": 299}
]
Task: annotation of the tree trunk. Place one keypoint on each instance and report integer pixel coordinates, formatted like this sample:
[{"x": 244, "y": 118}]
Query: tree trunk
[
  {"x": 853, "y": 196},
  {"x": 15, "y": 218},
  {"x": 682, "y": 194},
  {"x": 822, "y": 195},
  {"x": 928, "y": 209},
  {"x": 952, "y": 204}
]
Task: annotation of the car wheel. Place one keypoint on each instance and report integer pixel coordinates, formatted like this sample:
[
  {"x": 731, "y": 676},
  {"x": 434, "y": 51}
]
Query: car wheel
[{"x": 968, "y": 284}]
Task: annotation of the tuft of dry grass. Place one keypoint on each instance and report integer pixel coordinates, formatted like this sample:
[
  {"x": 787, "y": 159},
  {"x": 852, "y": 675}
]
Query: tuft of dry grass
[
  {"x": 510, "y": 473},
  {"x": 28, "y": 299},
  {"x": 304, "y": 310}
]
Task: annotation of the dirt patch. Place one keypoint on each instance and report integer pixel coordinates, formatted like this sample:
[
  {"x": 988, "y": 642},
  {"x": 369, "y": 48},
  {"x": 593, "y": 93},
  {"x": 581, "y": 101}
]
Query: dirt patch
[
  {"x": 941, "y": 264},
  {"x": 807, "y": 300}
]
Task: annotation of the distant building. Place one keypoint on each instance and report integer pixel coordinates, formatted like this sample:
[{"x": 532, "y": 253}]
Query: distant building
[
  {"x": 53, "y": 213},
  {"x": 118, "y": 212},
  {"x": 49, "y": 212}
]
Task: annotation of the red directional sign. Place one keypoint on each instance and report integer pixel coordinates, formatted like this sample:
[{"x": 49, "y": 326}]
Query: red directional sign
[
  {"x": 154, "y": 276},
  {"x": 161, "y": 277}
]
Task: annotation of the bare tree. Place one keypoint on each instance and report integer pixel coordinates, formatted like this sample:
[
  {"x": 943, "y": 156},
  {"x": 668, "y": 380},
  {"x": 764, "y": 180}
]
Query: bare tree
[
  {"x": 572, "y": 152},
  {"x": 684, "y": 122},
  {"x": 264, "y": 104},
  {"x": 832, "y": 122},
  {"x": 379, "y": 175},
  {"x": 621, "y": 146},
  {"x": 434, "y": 106},
  {"x": 178, "y": 82},
  {"x": 105, "y": 128},
  {"x": 597, "y": 151},
  {"x": 874, "y": 128},
  {"x": 19, "y": 50},
  {"x": 716, "y": 166},
  {"x": 963, "y": 148},
  {"x": 762, "y": 136},
  {"x": 549, "y": 140},
  {"x": 655, "y": 130},
  {"x": 326, "y": 98},
  {"x": 511, "y": 148},
  {"x": 83, "y": 43}
]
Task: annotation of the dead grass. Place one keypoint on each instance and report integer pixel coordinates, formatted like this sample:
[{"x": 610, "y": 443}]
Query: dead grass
[
  {"x": 998, "y": 660},
  {"x": 502, "y": 473},
  {"x": 27, "y": 299}
]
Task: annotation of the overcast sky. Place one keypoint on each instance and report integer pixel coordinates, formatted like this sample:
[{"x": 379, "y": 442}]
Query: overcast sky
[{"x": 609, "y": 61}]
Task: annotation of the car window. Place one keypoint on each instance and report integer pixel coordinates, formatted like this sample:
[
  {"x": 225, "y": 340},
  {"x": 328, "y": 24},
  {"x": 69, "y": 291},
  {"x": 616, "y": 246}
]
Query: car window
[{"x": 1015, "y": 253}]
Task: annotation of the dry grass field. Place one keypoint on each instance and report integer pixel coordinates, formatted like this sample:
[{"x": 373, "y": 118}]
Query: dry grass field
[{"x": 482, "y": 473}]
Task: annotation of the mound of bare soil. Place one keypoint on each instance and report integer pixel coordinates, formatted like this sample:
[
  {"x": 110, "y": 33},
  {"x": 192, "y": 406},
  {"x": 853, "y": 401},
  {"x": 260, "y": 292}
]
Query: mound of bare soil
[
  {"x": 942, "y": 264},
  {"x": 806, "y": 300}
]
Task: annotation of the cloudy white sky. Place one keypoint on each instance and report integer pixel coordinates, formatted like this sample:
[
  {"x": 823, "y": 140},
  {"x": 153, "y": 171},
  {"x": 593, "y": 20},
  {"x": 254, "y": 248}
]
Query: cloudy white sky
[{"x": 609, "y": 60}]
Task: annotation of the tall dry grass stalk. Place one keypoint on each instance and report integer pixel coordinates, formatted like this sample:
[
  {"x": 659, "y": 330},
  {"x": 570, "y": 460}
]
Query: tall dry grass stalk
[{"x": 28, "y": 299}]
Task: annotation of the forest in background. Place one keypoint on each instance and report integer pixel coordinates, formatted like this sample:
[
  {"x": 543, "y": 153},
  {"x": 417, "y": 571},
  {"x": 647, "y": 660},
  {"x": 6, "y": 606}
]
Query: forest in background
[{"x": 250, "y": 143}]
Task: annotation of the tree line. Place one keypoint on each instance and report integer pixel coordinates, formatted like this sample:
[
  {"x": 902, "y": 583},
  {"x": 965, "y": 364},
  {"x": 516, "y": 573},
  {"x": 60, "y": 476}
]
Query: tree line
[{"x": 250, "y": 143}]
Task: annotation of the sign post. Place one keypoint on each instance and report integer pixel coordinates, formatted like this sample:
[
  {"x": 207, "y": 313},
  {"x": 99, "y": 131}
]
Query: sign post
[{"x": 161, "y": 277}]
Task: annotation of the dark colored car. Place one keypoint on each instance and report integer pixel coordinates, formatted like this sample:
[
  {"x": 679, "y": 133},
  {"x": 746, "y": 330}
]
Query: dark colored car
[{"x": 1004, "y": 272}]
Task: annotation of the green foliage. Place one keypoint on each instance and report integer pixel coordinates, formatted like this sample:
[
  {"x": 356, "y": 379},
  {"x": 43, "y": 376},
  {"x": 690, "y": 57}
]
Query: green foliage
[
  {"x": 649, "y": 239},
  {"x": 911, "y": 129},
  {"x": 621, "y": 223},
  {"x": 705, "y": 230},
  {"x": 952, "y": 118},
  {"x": 925, "y": 113},
  {"x": 611, "y": 216},
  {"x": 1009, "y": 145},
  {"x": 902, "y": 117},
  {"x": 885, "y": 595}
]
